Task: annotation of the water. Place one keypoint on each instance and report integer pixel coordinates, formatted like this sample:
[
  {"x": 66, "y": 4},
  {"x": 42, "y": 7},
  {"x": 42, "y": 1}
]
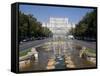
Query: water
[
  {"x": 46, "y": 52},
  {"x": 60, "y": 63}
]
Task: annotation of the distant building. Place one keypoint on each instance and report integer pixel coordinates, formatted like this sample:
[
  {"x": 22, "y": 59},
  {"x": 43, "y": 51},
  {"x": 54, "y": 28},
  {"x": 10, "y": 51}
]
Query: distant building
[{"x": 59, "y": 26}]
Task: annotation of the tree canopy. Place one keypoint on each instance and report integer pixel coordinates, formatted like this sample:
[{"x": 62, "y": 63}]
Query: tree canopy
[
  {"x": 30, "y": 27},
  {"x": 87, "y": 26}
]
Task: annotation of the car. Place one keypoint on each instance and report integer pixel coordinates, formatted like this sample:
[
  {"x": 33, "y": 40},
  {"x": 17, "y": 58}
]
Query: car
[
  {"x": 24, "y": 40},
  {"x": 21, "y": 42},
  {"x": 70, "y": 37}
]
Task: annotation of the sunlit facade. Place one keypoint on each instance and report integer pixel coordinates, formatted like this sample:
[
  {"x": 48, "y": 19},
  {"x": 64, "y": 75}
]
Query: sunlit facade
[{"x": 59, "y": 26}]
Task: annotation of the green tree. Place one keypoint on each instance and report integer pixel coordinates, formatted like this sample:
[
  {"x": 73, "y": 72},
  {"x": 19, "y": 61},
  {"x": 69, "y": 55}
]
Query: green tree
[
  {"x": 29, "y": 27},
  {"x": 87, "y": 26}
]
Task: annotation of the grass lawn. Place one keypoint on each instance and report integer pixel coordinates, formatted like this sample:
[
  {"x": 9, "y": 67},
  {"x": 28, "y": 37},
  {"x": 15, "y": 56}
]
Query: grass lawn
[
  {"x": 24, "y": 52},
  {"x": 90, "y": 51}
]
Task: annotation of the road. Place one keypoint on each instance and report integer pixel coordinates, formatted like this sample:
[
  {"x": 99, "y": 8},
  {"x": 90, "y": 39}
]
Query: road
[
  {"x": 30, "y": 44},
  {"x": 38, "y": 43},
  {"x": 87, "y": 44}
]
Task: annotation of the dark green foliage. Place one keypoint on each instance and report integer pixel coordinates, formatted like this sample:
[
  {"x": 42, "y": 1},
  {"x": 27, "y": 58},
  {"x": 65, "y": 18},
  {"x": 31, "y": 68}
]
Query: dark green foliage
[
  {"x": 29, "y": 27},
  {"x": 87, "y": 27}
]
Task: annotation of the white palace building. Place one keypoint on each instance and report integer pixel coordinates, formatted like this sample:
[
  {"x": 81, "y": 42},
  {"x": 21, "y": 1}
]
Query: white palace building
[{"x": 59, "y": 26}]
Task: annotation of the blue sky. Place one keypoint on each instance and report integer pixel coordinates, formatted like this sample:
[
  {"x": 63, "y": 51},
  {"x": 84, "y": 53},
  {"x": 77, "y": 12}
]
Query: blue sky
[{"x": 42, "y": 13}]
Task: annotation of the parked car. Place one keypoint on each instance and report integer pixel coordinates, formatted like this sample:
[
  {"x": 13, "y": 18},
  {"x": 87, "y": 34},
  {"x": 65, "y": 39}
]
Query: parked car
[{"x": 70, "y": 37}]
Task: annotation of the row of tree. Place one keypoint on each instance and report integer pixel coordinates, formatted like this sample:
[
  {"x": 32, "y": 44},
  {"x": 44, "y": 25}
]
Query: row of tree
[
  {"x": 87, "y": 27},
  {"x": 29, "y": 27}
]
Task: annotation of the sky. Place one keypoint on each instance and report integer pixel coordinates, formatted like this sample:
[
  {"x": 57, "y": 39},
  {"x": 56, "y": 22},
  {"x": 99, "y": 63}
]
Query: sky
[{"x": 42, "y": 13}]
